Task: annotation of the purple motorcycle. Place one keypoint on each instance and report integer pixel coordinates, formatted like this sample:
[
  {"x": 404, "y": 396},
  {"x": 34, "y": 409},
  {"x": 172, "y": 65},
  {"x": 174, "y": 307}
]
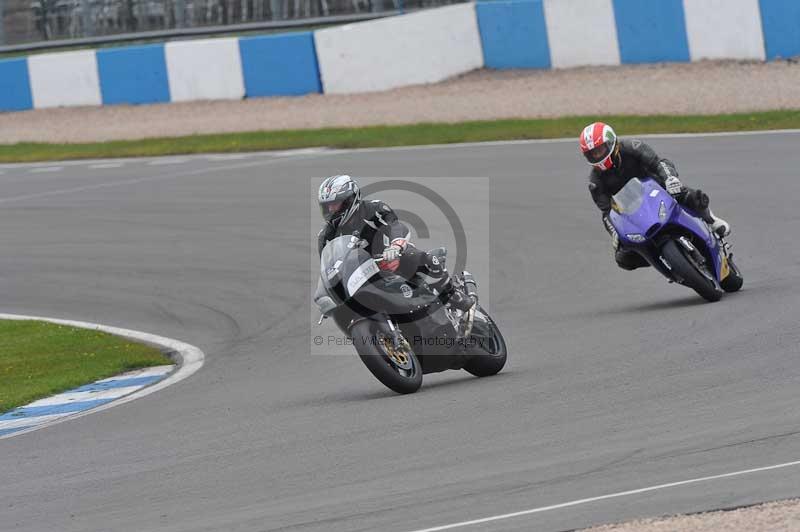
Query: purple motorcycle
[{"x": 673, "y": 240}]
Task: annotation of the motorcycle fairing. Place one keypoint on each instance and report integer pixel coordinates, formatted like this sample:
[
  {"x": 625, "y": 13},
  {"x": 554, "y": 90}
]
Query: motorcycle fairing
[{"x": 637, "y": 210}]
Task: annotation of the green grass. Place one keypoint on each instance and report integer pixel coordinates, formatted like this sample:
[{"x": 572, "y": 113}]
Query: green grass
[
  {"x": 40, "y": 359},
  {"x": 381, "y": 136}
]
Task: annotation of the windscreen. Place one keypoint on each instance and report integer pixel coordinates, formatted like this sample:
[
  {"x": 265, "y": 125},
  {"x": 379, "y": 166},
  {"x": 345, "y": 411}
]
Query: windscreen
[
  {"x": 630, "y": 198},
  {"x": 344, "y": 261}
]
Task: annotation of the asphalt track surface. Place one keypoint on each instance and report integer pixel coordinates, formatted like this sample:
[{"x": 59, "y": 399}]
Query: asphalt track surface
[{"x": 616, "y": 380}]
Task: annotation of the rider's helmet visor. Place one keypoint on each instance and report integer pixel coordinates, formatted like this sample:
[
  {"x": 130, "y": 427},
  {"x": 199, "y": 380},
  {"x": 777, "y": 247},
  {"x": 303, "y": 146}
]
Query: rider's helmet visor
[
  {"x": 333, "y": 207},
  {"x": 598, "y": 153},
  {"x": 333, "y": 210}
]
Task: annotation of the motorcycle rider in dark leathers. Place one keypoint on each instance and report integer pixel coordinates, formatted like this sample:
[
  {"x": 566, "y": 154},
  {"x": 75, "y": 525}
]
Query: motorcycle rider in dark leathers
[
  {"x": 615, "y": 162},
  {"x": 373, "y": 221}
]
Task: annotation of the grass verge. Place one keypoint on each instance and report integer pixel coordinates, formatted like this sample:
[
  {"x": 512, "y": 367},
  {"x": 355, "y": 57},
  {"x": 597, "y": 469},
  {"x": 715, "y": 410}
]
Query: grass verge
[
  {"x": 40, "y": 359},
  {"x": 382, "y": 136}
]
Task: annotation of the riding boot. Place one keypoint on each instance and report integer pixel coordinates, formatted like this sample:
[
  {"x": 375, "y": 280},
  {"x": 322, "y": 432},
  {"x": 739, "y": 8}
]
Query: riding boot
[
  {"x": 699, "y": 202},
  {"x": 719, "y": 226},
  {"x": 439, "y": 279}
]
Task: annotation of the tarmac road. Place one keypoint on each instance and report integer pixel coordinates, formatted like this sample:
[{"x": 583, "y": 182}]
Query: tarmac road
[{"x": 616, "y": 380}]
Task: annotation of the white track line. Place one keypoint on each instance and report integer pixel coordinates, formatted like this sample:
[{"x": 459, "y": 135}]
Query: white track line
[
  {"x": 152, "y": 178},
  {"x": 162, "y": 162},
  {"x": 46, "y": 169},
  {"x": 526, "y": 142},
  {"x": 322, "y": 150},
  {"x": 189, "y": 358},
  {"x": 605, "y": 497}
]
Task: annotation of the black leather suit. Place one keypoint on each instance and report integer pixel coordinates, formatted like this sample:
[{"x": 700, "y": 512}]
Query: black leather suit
[{"x": 638, "y": 159}]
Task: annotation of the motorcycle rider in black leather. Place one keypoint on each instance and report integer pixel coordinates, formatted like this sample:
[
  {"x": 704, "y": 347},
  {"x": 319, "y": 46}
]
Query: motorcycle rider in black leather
[
  {"x": 615, "y": 162},
  {"x": 373, "y": 221}
]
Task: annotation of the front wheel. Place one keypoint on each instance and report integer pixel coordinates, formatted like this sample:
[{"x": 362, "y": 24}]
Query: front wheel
[
  {"x": 396, "y": 367},
  {"x": 487, "y": 346},
  {"x": 689, "y": 273},
  {"x": 733, "y": 282}
]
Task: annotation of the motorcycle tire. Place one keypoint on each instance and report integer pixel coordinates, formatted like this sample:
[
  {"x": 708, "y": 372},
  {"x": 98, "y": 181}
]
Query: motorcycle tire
[
  {"x": 684, "y": 268},
  {"x": 488, "y": 346},
  {"x": 399, "y": 371},
  {"x": 733, "y": 282}
]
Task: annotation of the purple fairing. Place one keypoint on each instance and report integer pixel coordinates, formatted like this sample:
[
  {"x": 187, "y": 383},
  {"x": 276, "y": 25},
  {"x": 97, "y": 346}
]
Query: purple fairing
[{"x": 639, "y": 217}]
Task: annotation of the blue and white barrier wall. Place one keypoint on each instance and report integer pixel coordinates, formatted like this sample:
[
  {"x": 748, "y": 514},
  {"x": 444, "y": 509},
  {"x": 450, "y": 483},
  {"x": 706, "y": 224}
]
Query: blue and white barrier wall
[
  {"x": 423, "y": 47},
  {"x": 567, "y": 33},
  {"x": 207, "y": 69}
]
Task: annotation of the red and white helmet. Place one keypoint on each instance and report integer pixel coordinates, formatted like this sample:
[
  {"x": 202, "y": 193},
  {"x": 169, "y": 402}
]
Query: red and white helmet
[{"x": 598, "y": 143}]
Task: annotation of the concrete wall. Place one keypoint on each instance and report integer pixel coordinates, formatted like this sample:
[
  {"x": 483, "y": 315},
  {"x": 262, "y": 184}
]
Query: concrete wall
[
  {"x": 598, "y": 32},
  {"x": 722, "y": 29},
  {"x": 514, "y": 34},
  {"x": 780, "y": 20},
  {"x": 133, "y": 74},
  {"x": 652, "y": 31},
  {"x": 64, "y": 79},
  {"x": 581, "y": 32},
  {"x": 423, "y": 47},
  {"x": 15, "y": 85},
  {"x": 208, "y": 69},
  {"x": 280, "y": 65}
]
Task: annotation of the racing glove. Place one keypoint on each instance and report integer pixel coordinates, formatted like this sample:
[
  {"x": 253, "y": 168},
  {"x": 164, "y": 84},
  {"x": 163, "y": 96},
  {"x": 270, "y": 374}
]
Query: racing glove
[
  {"x": 674, "y": 186},
  {"x": 393, "y": 252}
]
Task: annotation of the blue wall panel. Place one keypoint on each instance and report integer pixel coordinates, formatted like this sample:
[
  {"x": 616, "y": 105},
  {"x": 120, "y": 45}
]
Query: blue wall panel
[
  {"x": 133, "y": 74},
  {"x": 280, "y": 65},
  {"x": 15, "y": 85},
  {"x": 651, "y": 31},
  {"x": 513, "y": 34},
  {"x": 780, "y": 20}
]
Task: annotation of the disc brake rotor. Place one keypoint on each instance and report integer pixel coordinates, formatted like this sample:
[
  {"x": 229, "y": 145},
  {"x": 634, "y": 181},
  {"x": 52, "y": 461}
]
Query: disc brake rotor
[{"x": 398, "y": 355}]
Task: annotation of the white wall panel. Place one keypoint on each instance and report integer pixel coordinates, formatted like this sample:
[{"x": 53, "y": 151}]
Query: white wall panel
[
  {"x": 424, "y": 47},
  {"x": 208, "y": 69},
  {"x": 581, "y": 32},
  {"x": 724, "y": 29},
  {"x": 64, "y": 79}
]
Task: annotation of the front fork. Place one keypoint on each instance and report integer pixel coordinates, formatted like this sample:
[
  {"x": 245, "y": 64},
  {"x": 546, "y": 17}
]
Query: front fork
[
  {"x": 466, "y": 283},
  {"x": 388, "y": 326},
  {"x": 700, "y": 261}
]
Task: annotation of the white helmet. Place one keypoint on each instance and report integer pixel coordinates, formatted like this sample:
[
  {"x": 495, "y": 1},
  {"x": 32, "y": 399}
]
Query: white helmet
[{"x": 339, "y": 197}]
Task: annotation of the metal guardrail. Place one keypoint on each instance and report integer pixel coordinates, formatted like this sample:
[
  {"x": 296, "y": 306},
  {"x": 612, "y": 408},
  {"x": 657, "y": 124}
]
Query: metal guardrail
[{"x": 178, "y": 33}]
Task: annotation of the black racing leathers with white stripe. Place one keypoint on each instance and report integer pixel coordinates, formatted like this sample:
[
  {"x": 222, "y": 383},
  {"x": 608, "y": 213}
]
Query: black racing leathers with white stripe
[
  {"x": 373, "y": 221},
  {"x": 376, "y": 222}
]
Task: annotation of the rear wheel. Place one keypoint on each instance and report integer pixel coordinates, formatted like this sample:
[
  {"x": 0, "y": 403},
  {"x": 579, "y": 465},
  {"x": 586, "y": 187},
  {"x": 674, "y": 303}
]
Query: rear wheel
[
  {"x": 397, "y": 367},
  {"x": 487, "y": 346},
  {"x": 690, "y": 272}
]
